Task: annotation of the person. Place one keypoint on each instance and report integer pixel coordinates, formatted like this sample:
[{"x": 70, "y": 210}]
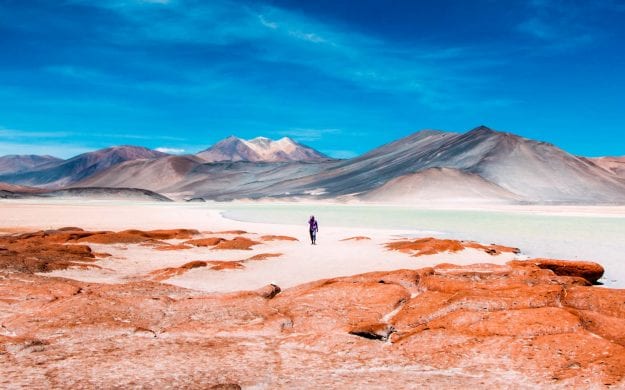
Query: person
[{"x": 313, "y": 228}]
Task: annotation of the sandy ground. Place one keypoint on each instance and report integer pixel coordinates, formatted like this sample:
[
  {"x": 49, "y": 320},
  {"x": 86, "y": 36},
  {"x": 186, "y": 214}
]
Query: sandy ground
[{"x": 300, "y": 262}]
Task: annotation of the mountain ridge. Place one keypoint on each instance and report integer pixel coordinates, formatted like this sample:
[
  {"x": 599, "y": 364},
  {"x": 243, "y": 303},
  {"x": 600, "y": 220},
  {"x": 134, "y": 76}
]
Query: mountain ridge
[
  {"x": 260, "y": 149},
  {"x": 489, "y": 164},
  {"x": 66, "y": 172},
  {"x": 14, "y": 163},
  {"x": 615, "y": 165}
]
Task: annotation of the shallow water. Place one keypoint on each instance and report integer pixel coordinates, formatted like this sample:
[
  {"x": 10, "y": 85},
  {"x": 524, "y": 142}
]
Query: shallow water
[{"x": 590, "y": 237}]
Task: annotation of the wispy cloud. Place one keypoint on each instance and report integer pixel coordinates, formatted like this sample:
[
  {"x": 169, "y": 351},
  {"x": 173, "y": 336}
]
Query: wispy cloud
[
  {"x": 430, "y": 74},
  {"x": 21, "y": 134},
  {"x": 564, "y": 24},
  {"x": 170, "y": 150},
  {"x": 267, "y": 23},
  {"x": 18, "y": 134},
  {"x": 308, "y": 135}
]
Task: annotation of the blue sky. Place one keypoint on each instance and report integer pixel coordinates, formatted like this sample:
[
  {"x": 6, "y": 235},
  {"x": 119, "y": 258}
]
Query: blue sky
[{"x": 340, "y": 76}]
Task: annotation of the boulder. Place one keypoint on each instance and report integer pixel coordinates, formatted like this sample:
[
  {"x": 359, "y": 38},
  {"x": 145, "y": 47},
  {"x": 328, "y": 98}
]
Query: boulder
[{"x": 582, "y": 269}]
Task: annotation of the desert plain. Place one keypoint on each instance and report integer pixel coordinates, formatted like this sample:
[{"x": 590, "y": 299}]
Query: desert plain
[{"x": 103, "y": 294}]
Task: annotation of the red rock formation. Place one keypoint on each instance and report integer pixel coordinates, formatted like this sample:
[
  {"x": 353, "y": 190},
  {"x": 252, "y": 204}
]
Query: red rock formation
[
  {"x": 135, "y": 236},
  {"x": 225, "y": 265},
  {"x": 278, "y": 238},
  {"x": 216, "y": 265},
  {"x": 432, "y": 246},
  {"x": 202, "y": 242},
  {"x": 35, "y": 253},
  {"x": 160, "y": 275},
  {"x": 483, "y": 326},
  {"x": 583, "y": 269},
  {"x": 237, "y": 232},
  {"x": 172, "y": 247},
  {"x": 240, "y": 243},
  {"x": 357, "y": 238},
  {"x": 101, "y": 255},
  {"x": 426, "y": 246},
  {"x": 263, "y": 256},
  {"x": 166, "y": 273},
  {"x": 492, "y": 249}
]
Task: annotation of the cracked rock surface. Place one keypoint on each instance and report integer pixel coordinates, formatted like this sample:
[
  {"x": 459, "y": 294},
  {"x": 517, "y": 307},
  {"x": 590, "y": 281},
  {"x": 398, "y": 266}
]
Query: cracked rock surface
[{"x": 520, "y": 325}]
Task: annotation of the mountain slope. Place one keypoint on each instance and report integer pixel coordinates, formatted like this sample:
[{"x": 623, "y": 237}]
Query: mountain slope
[
  {"x": 160, "y": 175},
  {"x": 182, "y": 177},
  {"x": 440, "y": 184},
  {"x": 260, "y": 150},
  {"x": 67, "y": 172},
  {"x": 373, "y": 169},
  {"x": 88, "y": 193},
  {"x": 541, "y": 172},
  {"x": 536, "y": 171},
  {"x": 18, "y": 163},
  {"x": 615, "y": 165},
  {"x": 482, "y": 164}
]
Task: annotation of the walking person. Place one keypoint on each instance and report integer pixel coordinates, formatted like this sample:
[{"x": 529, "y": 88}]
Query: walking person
[{"x": 313, "y": 229}]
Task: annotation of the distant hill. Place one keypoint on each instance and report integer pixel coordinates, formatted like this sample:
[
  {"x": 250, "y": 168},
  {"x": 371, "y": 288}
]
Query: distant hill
[
  {"x": 615, "y": 165},
  {"x": 183, "y": 177},
  {"x": 16, "y": 188},
  {"x": 19, "y": 163},
  {"x": 89, "y": 193},
  {"x": 160, "y": 175},
  {"x": 440, "y": 185},
  {"x": 66, "y": 172},
  {"x": 535, "y": 171},
  {"x": 481, "y": 165},
  {"x": 260, "y": 149}
]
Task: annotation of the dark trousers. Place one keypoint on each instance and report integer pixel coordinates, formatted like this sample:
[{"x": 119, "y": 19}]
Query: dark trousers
[{"x": 313, "y": 236}]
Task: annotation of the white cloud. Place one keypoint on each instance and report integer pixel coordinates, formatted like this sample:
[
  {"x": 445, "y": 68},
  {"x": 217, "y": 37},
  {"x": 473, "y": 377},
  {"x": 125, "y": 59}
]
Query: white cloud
[
  {"x": 561, "y": 25},
  {"x": 170, "y": 150},
  {"x": 267, "y": 23},
  {"x": 17, "y": 134},
  {"x": 306, "y": 135},
  {"x": 12, "y": 133},
  {"x": 432, "y": 75},
  {"x": 310, "y": 37}
]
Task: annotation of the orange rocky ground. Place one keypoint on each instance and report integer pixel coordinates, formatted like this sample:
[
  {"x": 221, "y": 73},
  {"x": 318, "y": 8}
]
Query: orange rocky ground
[
  {"x": 216, "y": 265},
  {"x": 278, "y": 238},
  {"x": 357, "y": 238},
  {"x": 432, "y": 246},
  {"x": 522, "y": 325}
]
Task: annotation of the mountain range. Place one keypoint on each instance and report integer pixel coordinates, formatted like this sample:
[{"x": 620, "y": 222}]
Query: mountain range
[
  {"x": 19, "y": 163},
  {"x": 63, "y": 173},
  {"x": 481, "y": 165},
  {"x": 260, "y": 149}
]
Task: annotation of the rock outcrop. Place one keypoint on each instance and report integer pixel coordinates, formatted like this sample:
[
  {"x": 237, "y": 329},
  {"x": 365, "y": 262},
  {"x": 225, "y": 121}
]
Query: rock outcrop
[
  {"x": 432, "y": 246},
  {"x": 584, "y": 269},
  {"x": 495, "y": 326}
]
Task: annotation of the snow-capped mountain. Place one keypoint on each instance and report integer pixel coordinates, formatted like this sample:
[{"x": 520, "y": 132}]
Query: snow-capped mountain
[{"x": 261, "y": 149}]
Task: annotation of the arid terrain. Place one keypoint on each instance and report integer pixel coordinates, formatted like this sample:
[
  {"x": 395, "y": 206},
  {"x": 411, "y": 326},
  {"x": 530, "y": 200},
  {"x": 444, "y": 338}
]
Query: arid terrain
[
  {"x": 222, "y": 307},
  {"x": 297, "y": 194},
  {"x": 479, "y": 166}
]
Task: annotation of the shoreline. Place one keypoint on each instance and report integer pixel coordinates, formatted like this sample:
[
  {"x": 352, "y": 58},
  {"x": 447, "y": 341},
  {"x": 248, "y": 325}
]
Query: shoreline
[
  {"x": 486, "y": 226},
  {"x": 264, "y": 300}
]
